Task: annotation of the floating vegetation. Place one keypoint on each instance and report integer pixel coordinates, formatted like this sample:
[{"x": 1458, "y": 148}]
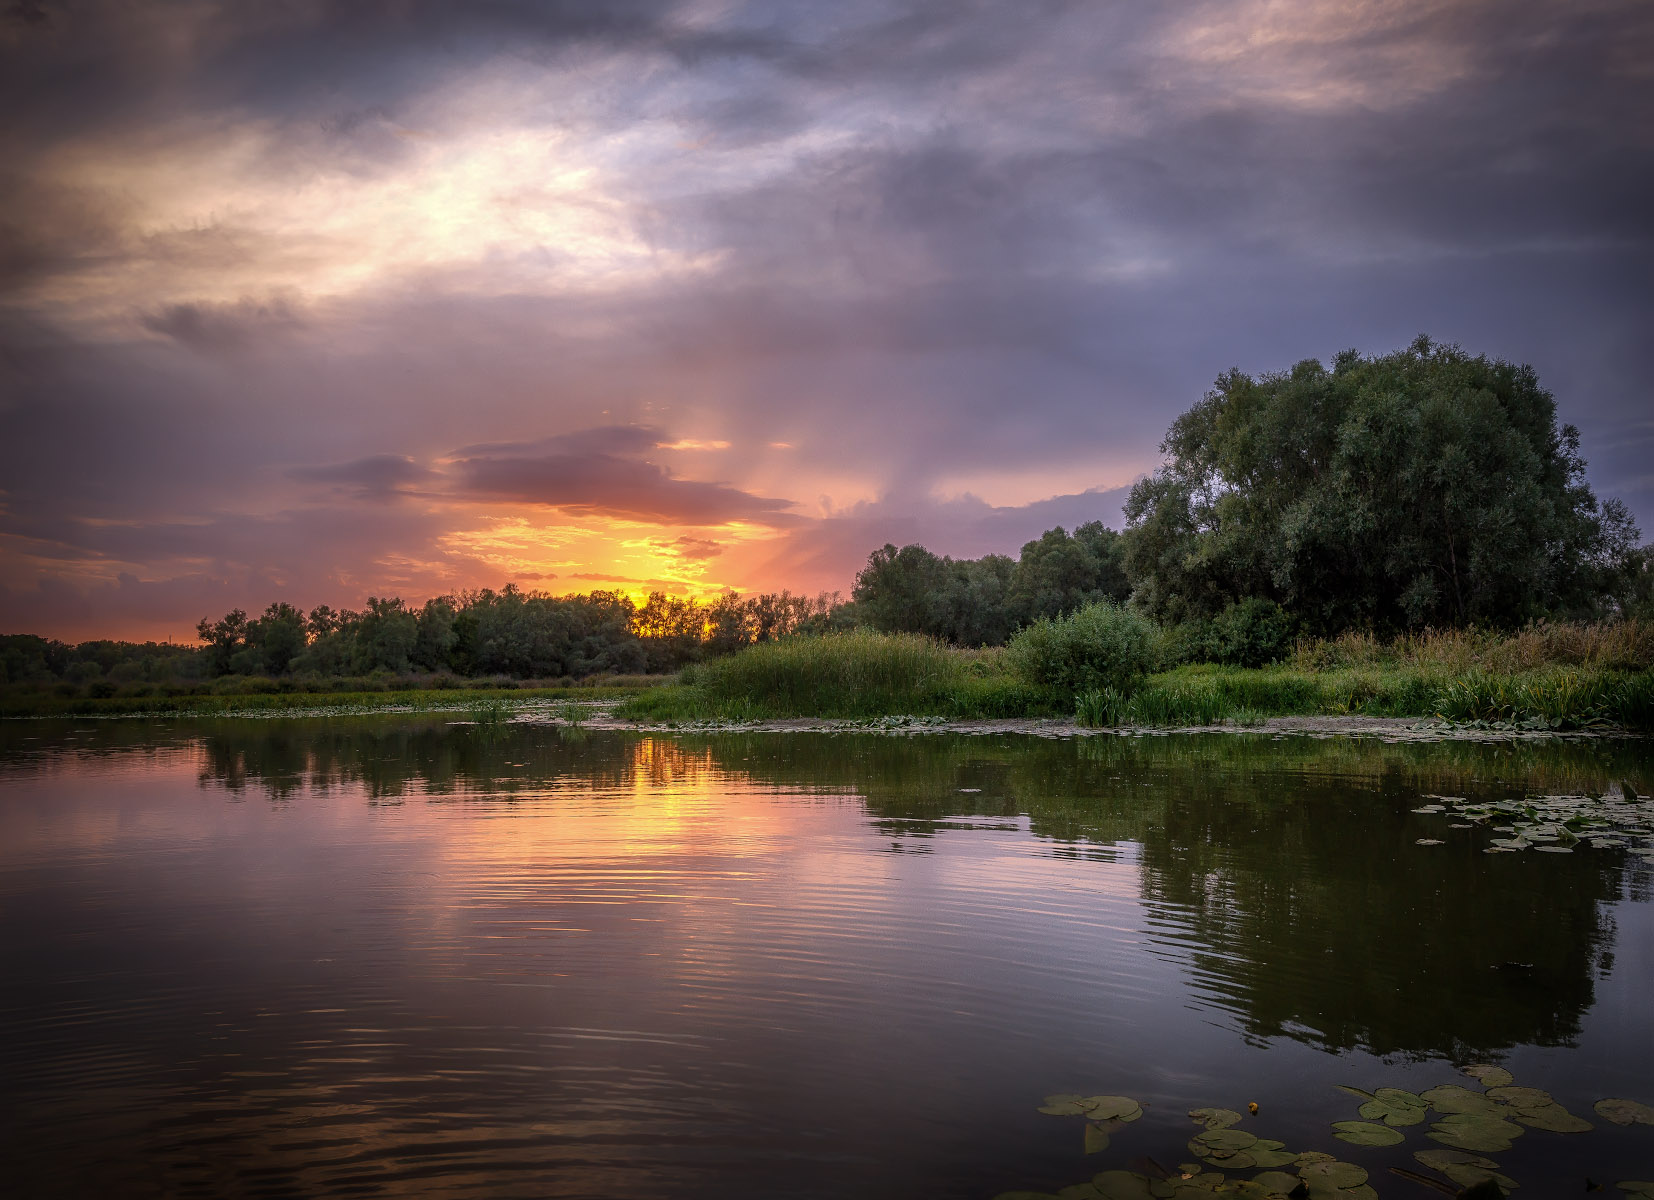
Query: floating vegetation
[
  {"x": 1471, "y": 1124},
  {"x": 1366, "y": 1133},
  {"x": 1625, "y": 1112},
  {"x": 1618, "y": 819},
  {"x": 1215, "y": 1118},
  {"x": 1466, "y": 1170}
]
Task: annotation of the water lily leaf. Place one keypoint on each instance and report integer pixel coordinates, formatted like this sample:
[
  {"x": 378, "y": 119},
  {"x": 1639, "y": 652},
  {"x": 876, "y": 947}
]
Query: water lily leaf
[
  {"x": 1488, "y": 1076},
  {"x": 1272, "y": 1158},
  {"x": 1555, "y": 849},
  {"x": 1332, "y": 1174},
  {"x": 1354, "y": 1091},
  {"x": 1363, "y": 1192},
  {"x": 1122, "y": 1185},
  {"x": 1084, "y": 1191},
  {"x": 1428, "y": 842},
  {"x": 1636, "y": 1187},
  {"x": 1096, "y": 1138},
  {"x": 1111, "y": 1108},
  {"x": 1521, "y": 1097},
  {"x": 1224, "y": 1139},
  {"x": 1395, "y": 1107},
  {"x": 1063, "y": 1105},
  {"x": 1451, "y": 1098},
  {"x": 1554, "y": 1118},
  {"x": 1625, "y": 1112},
  {"x": 1215, "y": 1118},
  {"x": 1315, "y": 1156},
  {"x": 1365, "y": 1133},
  {"x": 1442, "y": 1159},
  {"x": 1277, "y": 1181},
  {"x": 1026, "y": 1196},
  {"x": 1198, "y": 1182},
  {"x": 1472, "y": 1132}
]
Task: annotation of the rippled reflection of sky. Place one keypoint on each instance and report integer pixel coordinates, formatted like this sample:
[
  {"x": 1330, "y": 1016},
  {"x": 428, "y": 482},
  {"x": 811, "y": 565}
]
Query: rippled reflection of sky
[{"x": 323, "y": 299}]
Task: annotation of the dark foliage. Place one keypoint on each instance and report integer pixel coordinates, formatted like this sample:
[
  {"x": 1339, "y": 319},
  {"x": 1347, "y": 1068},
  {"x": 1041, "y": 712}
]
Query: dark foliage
[{"x": 1425, "y": 488}]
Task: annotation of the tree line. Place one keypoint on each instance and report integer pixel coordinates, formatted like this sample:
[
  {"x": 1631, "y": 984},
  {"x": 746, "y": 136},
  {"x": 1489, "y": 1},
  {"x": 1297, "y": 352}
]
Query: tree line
[{"x": 1427, "y": 488}]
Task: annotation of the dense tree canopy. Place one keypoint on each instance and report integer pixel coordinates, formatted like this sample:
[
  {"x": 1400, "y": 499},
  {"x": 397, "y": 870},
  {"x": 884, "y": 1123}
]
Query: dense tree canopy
[
  {"x": 982, "y": 601},
  {"x": 1421, "y": 488}
]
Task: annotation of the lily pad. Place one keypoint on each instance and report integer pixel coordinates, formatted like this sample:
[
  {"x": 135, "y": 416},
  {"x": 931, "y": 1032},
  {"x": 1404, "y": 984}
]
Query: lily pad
[
  {"x": 1555, "y": 849},
  {"x": 1489, "y": 1076},
  {"x": 1395, "y": 1107},
  {"x": 1084, "y": 1191},
  {"x": 1428, "y": 842},
  {"x": 1272, "y": 1158},
  {"x": 1365, "y": 1133},
  {"x": 1451, "y": 1098},
  {"x": 1521, "y": 1097},
  {"x": 1468, "y": 1131},
  {"x": 1636, "y": 1187},
  {"x": 1466, "y": 1170},
  {"x": 1215, "y": 1118},
  {"x": 1111, "y": 1108},
  {"x": 1122, "y": 1185},
  {"x": 1224, "y": 1139},
  {"x": 1332, "y": 1174},
  {"x": 1096, "y": 1138},
  {"x": 1625, "y": 1112},
  {"x": 1554, "y": 1118},
  {"x": 1277, "y": 1181},
  {"x": 1063, "y": 1105}
]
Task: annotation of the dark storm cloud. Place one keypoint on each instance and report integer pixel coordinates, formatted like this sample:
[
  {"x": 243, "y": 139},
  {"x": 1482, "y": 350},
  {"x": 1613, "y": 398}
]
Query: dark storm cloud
[
  {"x": 930, "y": 239},
  {"x": 214, "y": 327},
  {"x": 575, "y": 475}
]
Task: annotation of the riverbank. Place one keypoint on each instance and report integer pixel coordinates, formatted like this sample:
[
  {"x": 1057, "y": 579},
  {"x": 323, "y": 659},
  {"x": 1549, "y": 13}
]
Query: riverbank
[
  {"x": 962, "y": 686},
  {"x": 489, "y": 702}
]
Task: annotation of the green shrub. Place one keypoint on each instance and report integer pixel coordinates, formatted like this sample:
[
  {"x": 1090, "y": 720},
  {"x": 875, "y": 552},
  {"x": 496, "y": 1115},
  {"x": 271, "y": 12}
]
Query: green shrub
[
  {"x": 1251, "y": 633},
  {"x": 1099, "y": 646}
]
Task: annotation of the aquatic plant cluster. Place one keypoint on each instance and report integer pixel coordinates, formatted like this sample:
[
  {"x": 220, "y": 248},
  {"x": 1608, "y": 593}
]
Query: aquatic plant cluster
[
  {"x": 1470, "y": 1123},
  {"x": 1622, "y": 820}
]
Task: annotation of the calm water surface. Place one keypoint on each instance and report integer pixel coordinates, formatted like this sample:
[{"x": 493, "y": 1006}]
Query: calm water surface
[{"x": 397, "y": 956}]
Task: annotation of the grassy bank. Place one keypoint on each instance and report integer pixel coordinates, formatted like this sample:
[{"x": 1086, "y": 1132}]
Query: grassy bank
[
  {"x": 29, "y": 702},
  {"x": 1462, "y": 678}
]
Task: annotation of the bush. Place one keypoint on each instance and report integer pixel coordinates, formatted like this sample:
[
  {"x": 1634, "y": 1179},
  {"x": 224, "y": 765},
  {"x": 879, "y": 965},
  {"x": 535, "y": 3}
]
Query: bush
[
  {"x": 1251, "y": 633},
  {"x": 1100, "y": 646}
]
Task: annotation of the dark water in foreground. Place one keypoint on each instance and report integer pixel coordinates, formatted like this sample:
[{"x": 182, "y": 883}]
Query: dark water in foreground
[{"x": 393, "y": 956}]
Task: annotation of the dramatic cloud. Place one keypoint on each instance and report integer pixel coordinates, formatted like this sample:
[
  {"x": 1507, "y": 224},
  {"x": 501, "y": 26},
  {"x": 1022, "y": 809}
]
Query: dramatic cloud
[
  {"x": 724, "y": 294},
  {"x": 582, "y": 474}
]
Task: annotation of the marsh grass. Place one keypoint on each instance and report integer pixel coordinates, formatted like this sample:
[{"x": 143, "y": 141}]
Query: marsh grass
[
  {"x": 1626, "y": 645},
  {"x": 861, "y": 675},
  {"x": 28, "y": 702},
  {"x": 853, "y": 675}
]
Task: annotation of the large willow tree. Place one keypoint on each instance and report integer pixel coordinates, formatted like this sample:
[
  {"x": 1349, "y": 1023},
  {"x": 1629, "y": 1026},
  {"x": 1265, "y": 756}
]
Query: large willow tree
[{"x": 1421, "y": 488}]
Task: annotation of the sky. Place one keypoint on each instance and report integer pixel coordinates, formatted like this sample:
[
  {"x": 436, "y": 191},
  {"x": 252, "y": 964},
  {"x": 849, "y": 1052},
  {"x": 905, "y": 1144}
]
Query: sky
[{"x": 320, "y": 299}]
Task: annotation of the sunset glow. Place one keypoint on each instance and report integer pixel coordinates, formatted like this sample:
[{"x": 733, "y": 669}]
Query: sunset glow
[{"x": 318, "y": 302}]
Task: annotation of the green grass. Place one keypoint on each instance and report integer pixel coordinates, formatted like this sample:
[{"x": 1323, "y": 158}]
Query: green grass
[
  {"x": 863, "y": 675},
  {"x": 853, "y": 675},
  {"x": 464, "y": 699}
]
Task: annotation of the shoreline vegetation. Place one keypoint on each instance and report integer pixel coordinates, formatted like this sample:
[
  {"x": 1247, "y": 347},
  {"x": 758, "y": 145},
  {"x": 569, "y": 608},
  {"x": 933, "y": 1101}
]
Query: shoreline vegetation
[
  {"x": 1407, "y": 535},
  {"x": 1557, "y": 677}
]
